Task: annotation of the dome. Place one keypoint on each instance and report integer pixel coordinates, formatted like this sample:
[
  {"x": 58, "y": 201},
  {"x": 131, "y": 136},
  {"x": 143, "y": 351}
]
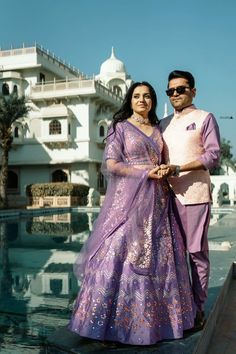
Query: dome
[{"x": 112, "y": 65}]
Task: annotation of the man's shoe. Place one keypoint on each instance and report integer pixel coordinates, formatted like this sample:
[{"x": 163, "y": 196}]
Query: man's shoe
[{"x": 199, "y": 321}]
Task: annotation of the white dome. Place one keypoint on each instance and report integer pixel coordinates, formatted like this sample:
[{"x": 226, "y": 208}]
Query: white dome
[{"x": 112, "y": 65}]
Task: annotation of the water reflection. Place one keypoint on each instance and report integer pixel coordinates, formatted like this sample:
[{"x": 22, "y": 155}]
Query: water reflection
[
  {"x": 37, "y": 284},
  {"x": 215, "y": 218},
  {"x": 217, "y": 214}
]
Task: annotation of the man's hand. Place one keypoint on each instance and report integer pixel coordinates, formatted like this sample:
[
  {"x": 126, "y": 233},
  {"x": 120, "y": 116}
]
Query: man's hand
[
  {"x": 170, "y": 170},
  {"x": 159, "y": 172}
]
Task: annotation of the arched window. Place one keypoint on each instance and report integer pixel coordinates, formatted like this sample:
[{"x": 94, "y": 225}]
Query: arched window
[
  {"x": 117, "y": 90},
  {"x": 101, "y": 131},
  {"x": 59, "y": 176},
  {"x": 16, "y": 132},
  {"x": 54, "y": 127},
  {"x": 101, "y": 181},
  {"x": 15, "y": 89},
  {"x": 5, "y": 89},
  {"x": 12, "y": 180}
]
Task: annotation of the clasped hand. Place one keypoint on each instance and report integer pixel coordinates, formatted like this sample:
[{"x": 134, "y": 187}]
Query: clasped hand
[{"x": 160, "y": 172}]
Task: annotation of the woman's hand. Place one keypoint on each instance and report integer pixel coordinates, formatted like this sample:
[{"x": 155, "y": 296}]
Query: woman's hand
[
  {"x": 171, "y": 170},
  {"x": 159, "y": 172}
]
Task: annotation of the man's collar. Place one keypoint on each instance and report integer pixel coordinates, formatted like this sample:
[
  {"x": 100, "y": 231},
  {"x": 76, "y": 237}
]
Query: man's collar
[{"x": 184, "y": 111}]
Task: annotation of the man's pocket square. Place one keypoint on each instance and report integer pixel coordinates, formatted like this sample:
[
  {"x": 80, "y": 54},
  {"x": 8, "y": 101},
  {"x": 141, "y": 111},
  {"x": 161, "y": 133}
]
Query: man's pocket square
[{"x": 191, "y": 127}]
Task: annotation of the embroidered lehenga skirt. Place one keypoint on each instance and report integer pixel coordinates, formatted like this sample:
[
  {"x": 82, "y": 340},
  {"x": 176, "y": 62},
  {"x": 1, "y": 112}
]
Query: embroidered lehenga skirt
[{"x": 135, "y": 286}]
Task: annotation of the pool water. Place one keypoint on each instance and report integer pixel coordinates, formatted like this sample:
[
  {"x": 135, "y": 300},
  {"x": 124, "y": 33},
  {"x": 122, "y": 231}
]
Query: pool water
[
  {"x": 37, "y": 284},
  {"x": 219, "y": 213}
]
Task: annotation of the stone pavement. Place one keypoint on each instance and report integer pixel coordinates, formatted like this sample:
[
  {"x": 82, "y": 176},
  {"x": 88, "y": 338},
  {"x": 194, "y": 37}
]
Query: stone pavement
[
  {"x": 219, "y": 335},
  {"x": 223, "y": 340}
]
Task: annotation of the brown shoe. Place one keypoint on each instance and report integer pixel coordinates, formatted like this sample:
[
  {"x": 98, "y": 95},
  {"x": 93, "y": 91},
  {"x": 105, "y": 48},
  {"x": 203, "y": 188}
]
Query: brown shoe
[{"x": 199, "y": 321}]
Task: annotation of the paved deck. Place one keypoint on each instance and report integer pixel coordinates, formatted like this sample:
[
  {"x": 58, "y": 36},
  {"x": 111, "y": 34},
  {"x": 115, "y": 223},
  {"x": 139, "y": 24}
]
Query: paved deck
[{"x": 223, "y": 340}]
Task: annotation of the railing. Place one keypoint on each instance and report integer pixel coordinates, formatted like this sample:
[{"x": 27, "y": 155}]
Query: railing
[
  {"x": 55, "y": 86},
  {"x": 44, "y": 52},
  {"x": 19, "y": 51},
  {"x": 82, "y": 82},
  {"x": 62, "y": 85},
  {"x": 108, "y": 92}
]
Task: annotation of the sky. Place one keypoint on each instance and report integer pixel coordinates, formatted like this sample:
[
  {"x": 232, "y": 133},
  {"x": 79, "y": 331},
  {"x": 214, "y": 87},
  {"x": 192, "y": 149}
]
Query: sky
[{"x": 151, "y": 37}]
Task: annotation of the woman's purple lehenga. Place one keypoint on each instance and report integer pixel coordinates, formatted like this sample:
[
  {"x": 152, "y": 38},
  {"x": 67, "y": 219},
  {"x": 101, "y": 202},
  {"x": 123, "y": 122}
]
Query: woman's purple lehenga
[{"x": 135, "y": 283}]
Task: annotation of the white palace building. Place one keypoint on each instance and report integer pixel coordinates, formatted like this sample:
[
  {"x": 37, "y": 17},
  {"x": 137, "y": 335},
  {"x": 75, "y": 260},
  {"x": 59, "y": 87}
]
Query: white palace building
[{"x": 61, "y": 139}]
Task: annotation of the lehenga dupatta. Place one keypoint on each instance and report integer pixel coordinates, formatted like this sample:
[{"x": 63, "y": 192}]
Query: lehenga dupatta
[{"x": 132, "y": 200}]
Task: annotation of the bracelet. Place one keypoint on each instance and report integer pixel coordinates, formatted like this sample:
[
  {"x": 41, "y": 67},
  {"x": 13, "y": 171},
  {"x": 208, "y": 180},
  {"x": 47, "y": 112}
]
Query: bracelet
[{"x": 176, "y": 172}]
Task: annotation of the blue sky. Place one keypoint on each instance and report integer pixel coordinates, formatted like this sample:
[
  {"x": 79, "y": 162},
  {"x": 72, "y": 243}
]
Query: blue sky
[{"x": 152, "y": 38}]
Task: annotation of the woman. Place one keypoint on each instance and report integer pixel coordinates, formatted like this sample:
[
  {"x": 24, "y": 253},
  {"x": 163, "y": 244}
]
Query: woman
[{"x": 135, "y": 287}]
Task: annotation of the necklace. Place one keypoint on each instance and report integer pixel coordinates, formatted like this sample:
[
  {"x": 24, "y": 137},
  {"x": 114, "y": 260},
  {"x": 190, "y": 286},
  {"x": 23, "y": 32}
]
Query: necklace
[{"x": 140, "y": 120}]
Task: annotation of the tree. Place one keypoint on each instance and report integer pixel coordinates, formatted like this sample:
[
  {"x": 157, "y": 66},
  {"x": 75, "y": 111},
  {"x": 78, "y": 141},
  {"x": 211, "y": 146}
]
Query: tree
[
  {"x": 226, "y": 150},
  {"x": 226, "y": 157},
  {"x": 12, "y": 108}
]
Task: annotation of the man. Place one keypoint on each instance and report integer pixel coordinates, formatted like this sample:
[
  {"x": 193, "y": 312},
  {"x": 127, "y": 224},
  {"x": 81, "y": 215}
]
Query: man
[{"x": 192, "y": 147}]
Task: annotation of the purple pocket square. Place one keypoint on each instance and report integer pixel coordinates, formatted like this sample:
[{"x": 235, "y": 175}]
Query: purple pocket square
[{"x": 191, "y": 127}]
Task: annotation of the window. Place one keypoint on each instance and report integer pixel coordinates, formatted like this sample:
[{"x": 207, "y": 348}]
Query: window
[
  {"x": 117, "y": 90},
  {"x": 12, "y": 231},
  {"x": 16, "y": 132},
  {"x": 101, "y": 131},
  {"x": 5, "y": 89},
  {"x": 12, "y": 181},
  {"x": 56, "y": 286},
  {"x": 69, "y": 129},
  {"x": 101, "y": 181},
  {"x": 41, "y": 77},
  {"x": 54, "y": 127},
  {"x": 59, "y": 176},
  {"x": 15, "y": 90}
]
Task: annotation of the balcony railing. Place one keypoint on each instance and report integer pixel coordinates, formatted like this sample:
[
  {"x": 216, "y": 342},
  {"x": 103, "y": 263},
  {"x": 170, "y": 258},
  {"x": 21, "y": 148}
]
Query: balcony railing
[
  {"x": 19, "y": 51},
  {"x": 62, "y": 85},
  {"x": 43, "y": 52},
  {"x": 54, "y": 87}
]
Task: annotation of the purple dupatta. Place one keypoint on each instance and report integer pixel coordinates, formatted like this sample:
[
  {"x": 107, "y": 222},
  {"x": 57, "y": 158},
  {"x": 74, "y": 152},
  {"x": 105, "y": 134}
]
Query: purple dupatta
[{"x": 133, "y": 202}]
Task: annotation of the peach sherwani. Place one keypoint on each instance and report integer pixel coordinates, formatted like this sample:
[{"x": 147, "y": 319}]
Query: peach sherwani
[
  {"x": 190, "y": 135},
  {"x": 184, "y": 142}
]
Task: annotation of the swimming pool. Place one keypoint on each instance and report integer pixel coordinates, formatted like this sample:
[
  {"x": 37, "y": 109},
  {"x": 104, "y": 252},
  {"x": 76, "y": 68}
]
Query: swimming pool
[{"x": 38, "y": 287}]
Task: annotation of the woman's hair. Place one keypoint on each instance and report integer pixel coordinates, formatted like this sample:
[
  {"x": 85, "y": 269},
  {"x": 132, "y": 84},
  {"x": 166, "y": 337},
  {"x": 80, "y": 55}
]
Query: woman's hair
[
  {"x": 179, "y": 74},
  {"x": 126, "y": 111}
]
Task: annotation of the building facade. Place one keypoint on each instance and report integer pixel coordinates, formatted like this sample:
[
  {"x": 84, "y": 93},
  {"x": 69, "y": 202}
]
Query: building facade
[{"x": 61, "y": 139}]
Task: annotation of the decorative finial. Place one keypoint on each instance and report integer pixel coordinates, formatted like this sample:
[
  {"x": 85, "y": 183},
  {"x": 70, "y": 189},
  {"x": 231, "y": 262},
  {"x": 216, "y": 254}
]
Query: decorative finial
[
  {"x": 165, "y": 111},
  {"x": 112, "y": 53}
]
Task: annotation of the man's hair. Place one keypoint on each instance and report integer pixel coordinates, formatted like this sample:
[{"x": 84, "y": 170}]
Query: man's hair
[{"x": 177, "y": 74}]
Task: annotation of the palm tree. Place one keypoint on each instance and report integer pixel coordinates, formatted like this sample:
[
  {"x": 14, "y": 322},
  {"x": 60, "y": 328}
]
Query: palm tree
[{"x": 12, "y": 108}]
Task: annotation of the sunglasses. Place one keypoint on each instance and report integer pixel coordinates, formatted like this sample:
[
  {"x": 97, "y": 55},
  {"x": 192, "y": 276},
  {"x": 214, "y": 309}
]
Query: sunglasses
[{"x": 179, "y": 89}]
